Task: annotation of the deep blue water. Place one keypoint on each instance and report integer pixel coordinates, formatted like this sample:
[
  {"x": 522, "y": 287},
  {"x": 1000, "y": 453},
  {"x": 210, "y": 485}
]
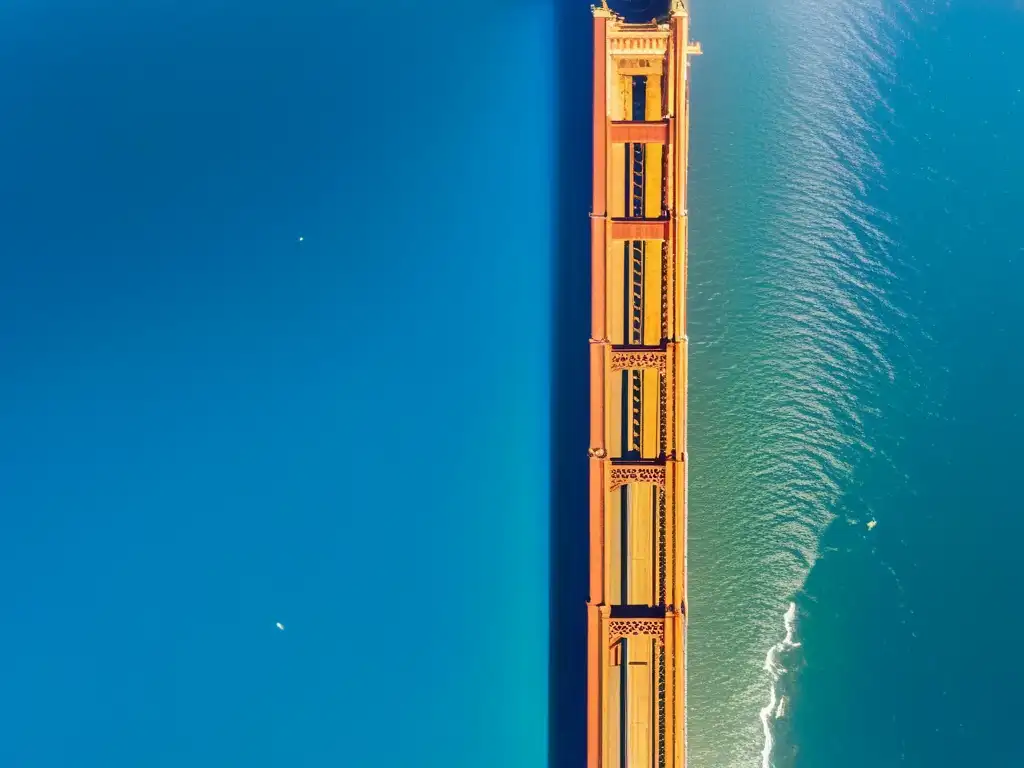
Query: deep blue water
[{"x": 209, "y": 426}]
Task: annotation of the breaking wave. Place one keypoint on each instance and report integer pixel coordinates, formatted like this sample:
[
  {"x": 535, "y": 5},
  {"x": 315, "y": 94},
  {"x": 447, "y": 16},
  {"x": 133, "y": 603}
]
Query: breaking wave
[{"x": 773, "y": 666}]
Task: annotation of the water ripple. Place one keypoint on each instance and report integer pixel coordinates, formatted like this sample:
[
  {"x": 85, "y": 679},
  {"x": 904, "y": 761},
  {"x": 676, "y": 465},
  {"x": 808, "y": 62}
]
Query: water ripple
[{"x": 794, "y": 293}]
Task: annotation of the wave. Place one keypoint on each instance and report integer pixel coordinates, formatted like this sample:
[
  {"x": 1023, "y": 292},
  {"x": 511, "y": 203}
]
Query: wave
[{"x": 773, "y": 666}]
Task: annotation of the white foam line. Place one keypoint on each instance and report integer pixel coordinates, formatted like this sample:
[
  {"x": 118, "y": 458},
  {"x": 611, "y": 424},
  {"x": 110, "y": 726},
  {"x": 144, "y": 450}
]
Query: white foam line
[
  {"x": 775, "y": 670},
  {"x": 781, "y": 709}
]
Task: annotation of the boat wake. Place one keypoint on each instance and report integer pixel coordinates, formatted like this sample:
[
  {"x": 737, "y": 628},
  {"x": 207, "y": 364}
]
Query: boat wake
[{"x": 775, "y": 708}]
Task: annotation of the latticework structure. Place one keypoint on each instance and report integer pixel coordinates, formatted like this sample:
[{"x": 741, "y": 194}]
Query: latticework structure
[{"x": 638, "y": 357}]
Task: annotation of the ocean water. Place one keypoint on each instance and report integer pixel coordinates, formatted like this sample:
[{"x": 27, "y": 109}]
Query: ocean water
[
  {"x": 856, "y": 257},
  {"x": 208, "y": 426}
]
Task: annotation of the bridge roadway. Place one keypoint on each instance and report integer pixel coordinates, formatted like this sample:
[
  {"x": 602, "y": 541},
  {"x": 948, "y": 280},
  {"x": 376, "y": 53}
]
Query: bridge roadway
[{"x": 636, "y": 643}]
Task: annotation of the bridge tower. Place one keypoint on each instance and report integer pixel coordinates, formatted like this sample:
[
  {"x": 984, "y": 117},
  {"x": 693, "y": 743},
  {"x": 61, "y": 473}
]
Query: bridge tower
[{"x": 636, "y": 660}]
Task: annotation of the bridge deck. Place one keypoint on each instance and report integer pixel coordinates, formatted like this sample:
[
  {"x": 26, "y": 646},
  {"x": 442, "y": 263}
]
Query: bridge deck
[{"x": 637, "y": 608}]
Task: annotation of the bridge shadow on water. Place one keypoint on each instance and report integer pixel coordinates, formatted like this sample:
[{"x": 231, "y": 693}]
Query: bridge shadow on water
[{"x": 570, "y": 388}]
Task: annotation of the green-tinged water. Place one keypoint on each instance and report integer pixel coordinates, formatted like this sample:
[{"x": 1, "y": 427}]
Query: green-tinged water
[{"x": 854, "y": 325}]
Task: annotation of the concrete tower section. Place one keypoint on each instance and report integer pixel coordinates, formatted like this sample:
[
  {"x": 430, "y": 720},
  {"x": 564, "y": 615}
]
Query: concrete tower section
[{"x": 636, "y": 655}]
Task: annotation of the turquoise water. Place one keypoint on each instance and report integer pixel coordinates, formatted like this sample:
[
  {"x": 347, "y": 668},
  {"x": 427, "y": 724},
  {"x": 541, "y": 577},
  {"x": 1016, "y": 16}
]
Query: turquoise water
[{"x": 855, "y": 319}]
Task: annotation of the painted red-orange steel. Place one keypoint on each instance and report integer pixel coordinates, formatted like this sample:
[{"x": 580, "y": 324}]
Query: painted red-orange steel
[
  {"x": 640, "y": 229},
  {"x": 635, "y": 132},
  {"x": 598, "y": 335},
  {"x": 664, "y": 53},
  {"x": 680, "y": 127},
  {"x": 598, "y": 210},
  {"x": 600, "y": 113},
  {"x": 593, "y": 684}
]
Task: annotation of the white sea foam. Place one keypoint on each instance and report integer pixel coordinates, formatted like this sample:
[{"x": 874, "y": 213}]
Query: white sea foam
[{"x": 773, "y": 666}]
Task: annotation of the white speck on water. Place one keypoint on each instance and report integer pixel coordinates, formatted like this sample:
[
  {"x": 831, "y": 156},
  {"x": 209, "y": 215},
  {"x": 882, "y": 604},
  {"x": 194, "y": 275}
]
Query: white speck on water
[
  {"x": 280, "y": 626},
  {"x": 301, "y": 238},
  {"x": 872, "y": 524}
]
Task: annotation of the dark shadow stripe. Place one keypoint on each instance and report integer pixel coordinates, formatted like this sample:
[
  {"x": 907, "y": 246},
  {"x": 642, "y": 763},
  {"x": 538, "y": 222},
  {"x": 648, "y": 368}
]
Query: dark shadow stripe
[{"x": 570, "y": 386}]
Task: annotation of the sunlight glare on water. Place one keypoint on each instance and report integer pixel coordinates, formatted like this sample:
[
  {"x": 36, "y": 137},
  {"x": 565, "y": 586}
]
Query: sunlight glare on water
[{"x": 795, "y": 301}]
